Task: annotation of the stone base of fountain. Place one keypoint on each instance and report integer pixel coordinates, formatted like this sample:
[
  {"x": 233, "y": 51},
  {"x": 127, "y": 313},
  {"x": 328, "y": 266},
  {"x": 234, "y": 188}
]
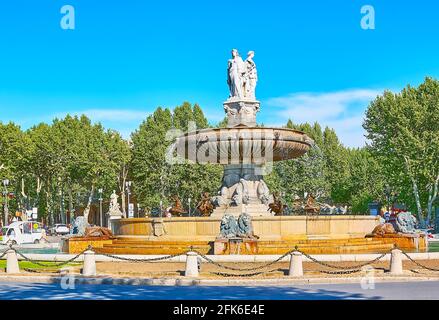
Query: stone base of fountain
[{"x": 235, "y": 246}]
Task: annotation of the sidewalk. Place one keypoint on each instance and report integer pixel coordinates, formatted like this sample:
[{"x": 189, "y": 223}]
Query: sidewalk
[{"x": 138, "y": 281}]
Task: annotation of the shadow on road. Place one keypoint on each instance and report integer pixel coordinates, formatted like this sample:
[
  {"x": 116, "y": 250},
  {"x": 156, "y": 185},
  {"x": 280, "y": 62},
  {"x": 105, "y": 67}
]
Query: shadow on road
[{"x": 11, "y": 291}]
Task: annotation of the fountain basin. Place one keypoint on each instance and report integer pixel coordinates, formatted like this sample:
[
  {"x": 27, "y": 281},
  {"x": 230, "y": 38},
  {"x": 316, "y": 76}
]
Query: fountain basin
[{"x": 242, "y": 144}]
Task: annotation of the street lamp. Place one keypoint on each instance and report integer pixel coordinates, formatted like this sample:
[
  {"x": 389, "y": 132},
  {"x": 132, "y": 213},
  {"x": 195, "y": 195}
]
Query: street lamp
[
  {"x": 5, "y": 194},
  {"x": 100, "y": 206},
  {"x": 189, "y": 202},
  {"x": 161, "y": 206},
  {"x": 128, "y": 186}
]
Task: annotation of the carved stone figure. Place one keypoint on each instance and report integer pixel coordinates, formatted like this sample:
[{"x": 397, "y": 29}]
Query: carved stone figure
[
  {"x": 383, "y": 229},
  {"x": 205, "y": 206},
  {"x": 236, "y": 70},
  {"x": 228, "y": 227},
  {"x": 177, "y": 209},
  {"x": 311, "y": 205},
  {"x": 114, "y": 209},
  {"x": 114, "y": 205},
  {"x": 79, "y": 226},
  {"x": 276, "y": 207},
  {"x": 245, "y": 226},
  {"x": 241, "y": 195},
  {"x": 251, "y": 76},
  {"x": 406, "y": 223},
  {"x": 98, "y": 232},
  {"x": 263, "y": 192},
  {"x": 221, "y": 198}
]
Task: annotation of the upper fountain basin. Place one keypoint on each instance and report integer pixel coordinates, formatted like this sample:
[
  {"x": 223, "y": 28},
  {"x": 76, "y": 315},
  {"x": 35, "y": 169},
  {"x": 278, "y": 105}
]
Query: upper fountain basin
[{"x": 240, "y": 145}]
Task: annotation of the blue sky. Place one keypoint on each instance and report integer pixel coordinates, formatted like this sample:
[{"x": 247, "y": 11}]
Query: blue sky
[{"x": 125, "y": 58}]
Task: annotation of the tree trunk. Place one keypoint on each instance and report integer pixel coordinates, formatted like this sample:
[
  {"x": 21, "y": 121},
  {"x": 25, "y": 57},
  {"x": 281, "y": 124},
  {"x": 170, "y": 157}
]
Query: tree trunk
[
  {"x": 90, "y": 200},
  {"x": 418, "y": 204},
  {"x": 71, "y": 207},
  {"x": 431, "y": 199},
  {"x": 416, "y": 194}
]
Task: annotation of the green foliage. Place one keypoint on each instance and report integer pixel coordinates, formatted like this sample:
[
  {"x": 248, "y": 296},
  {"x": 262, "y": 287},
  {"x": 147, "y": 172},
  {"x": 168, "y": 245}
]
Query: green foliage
[
  {"x": 329, "y": 171},
  {"x": 403, "y": 130},
  {"x": 157, "y": 180},
  {"x": 70, "y": 155}
]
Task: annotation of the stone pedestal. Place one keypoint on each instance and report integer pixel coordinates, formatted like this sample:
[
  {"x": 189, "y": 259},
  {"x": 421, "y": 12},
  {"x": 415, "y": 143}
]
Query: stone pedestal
[
  {"x": 191, "y": 269},
  {"x": 12, "y": 262},
  {"x": 296, "y": 265},
  {"x": 113, "y": 217},
  {"x": 241, "y": 112},
  {"x": 89, "y": 268},
  {"x": 235, "y": 246},
  {"x": 243, "y": 190}
]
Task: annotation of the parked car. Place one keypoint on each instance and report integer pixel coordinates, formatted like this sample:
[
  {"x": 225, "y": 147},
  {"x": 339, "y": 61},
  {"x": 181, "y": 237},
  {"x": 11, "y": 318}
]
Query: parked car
[
  {"x": 22, "y": 232},
  {"x": 59, "y": 229}
]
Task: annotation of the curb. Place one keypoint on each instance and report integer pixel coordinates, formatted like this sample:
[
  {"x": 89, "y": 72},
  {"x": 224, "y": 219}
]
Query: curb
[{"x": 108, "y": 280}]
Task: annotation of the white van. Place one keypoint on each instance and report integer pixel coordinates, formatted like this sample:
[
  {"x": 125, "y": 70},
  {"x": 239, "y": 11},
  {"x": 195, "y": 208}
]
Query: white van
[{"x": 22, "y": 232}]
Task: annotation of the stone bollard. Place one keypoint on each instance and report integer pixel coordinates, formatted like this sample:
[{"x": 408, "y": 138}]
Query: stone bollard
[
  {"x": 296, "y": 265},
  {"x": 191, "y": 264},
  {"x": 89, "y": 268},
  {"x": 396, "y": 262},
  {"x": 12, "y": 262}
]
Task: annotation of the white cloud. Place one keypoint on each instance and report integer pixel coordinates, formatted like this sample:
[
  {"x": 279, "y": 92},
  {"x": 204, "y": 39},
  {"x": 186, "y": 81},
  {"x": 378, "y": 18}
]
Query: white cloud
[{"x": 340, "y": 110}]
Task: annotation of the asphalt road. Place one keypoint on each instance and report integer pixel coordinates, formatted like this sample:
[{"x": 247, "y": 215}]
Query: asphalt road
[{"x": 38, "y": 291}]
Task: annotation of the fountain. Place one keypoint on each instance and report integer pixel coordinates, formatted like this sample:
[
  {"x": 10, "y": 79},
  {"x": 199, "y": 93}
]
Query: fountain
[{"x": 247, "y": 152}]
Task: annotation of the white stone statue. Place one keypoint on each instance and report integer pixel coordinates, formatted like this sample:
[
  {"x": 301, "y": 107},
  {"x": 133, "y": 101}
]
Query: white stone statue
[
  {"x": 235, "y": 75},
  {"x": 114, "y": 204},
  {"x": 251, "y": 76}
]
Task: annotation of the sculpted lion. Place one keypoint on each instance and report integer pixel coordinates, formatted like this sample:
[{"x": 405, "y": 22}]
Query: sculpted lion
[
  {"x": 245, "y": 227},
  {"x": 228, "y": 227},
  {"x": 383, "y": 229},
  {"x": 98, "y": 232}
]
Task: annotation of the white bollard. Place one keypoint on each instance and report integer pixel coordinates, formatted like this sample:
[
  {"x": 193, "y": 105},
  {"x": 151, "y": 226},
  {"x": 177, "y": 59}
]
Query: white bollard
[
  {"x": 296, "y": 265},
  {"x": 12, "y": 262},
  {"x": 396, "y": 262},
  {"x": 191, "y": 264},
  {"x": 89, "y": 268}
]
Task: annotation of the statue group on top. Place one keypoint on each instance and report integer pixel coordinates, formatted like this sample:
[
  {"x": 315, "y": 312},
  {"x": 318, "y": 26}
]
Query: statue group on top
[{"x": 242, "y": 76}]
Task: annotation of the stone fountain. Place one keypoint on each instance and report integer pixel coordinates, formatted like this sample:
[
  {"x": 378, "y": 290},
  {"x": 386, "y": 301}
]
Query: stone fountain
[{"x": 246, "y": 150}]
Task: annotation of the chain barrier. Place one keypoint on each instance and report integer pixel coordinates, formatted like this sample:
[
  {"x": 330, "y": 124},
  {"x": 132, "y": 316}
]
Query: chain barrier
[
  {"x": 143, "y": 260},
  {"x": 339, "y": 269},
  {"x": 4, "y": 253},
  {"x": 54, "y": 265},
  {"x": 243, "y": 269},
  {"x": 347, "y": 268},
  {"x": 419, "y": 264}
]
